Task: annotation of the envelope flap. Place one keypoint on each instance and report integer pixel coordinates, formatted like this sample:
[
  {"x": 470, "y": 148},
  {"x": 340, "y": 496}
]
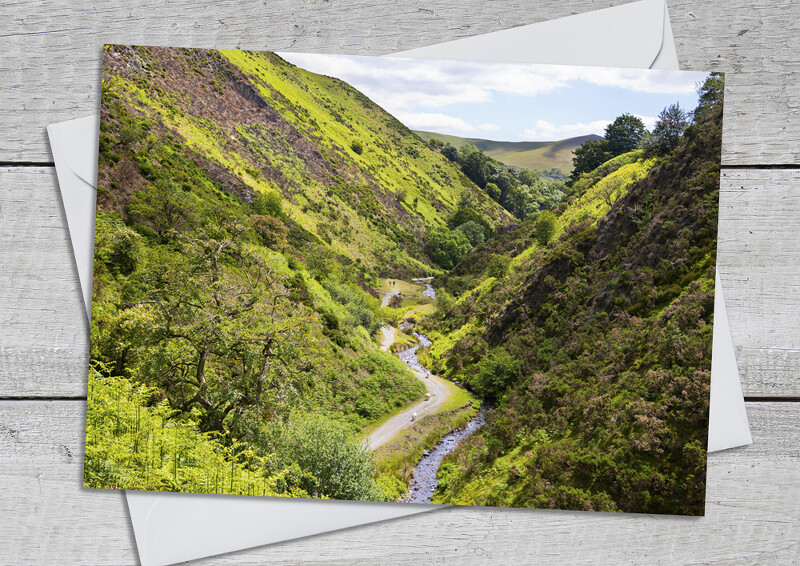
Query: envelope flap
[
  {"x": 631, "y": 35},
  {"x": 71, "y": 138}
]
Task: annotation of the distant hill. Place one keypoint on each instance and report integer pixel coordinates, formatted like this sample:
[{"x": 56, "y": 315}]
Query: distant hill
[{"x": 528, "y": 155}]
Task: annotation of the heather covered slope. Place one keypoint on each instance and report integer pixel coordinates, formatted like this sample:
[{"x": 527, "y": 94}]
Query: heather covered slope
[
  {"x": 244, "y": 123},
  {"x": 595, "y": 347}
]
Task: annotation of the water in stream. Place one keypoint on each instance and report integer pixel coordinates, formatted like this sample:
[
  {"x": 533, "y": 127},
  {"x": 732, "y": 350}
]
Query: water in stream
[{"x": 424, "y": 483}]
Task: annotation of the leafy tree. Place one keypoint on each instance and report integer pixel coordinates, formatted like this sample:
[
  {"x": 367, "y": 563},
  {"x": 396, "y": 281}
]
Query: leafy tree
[
  {"x": 624, "y": 134},
  {"x": 463, "y": 215},
  {"x": 446, "y": 247},
  {"x": 450, "y": 152},
  {"x": 668, "y": 131},
  {"x": 493, "y": 191},
  {"x": 467, "y": 200},
  {"x": 474, "y": 164},
  {"x": 711, "y": 93},
  {"x": 590, "y": 155},
  {"x": 521, "y": 201},
  {"x": 341, "y": 466},
  {"x": 473, "y": 231},
  {"x": 271, "y": 230},
  {"x": 164, "y": 208},
  {"x": 545, "y": 228},
  {"x": 493, "y": 374},
  {"x": 434, "y": 143},
  {"x": 530, "y": 178},
  {"x": 357, "y": 146},
  {"x": 498, "y": 266},
  {"x": 116, "y": 246},
  {"x": 611, "y": 190},
  {"x": 208, "y": 333},
  {"x": 503, "y": 179},
  {"x": 269, "y": 203}
]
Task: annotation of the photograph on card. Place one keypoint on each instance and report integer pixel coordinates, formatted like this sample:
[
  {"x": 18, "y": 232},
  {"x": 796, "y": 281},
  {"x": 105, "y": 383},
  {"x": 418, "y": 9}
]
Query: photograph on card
[{"x": 388, "y": 279}]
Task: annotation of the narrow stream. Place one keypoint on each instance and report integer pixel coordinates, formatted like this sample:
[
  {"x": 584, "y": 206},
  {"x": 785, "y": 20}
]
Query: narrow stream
[{"x": 424, "y": 484}]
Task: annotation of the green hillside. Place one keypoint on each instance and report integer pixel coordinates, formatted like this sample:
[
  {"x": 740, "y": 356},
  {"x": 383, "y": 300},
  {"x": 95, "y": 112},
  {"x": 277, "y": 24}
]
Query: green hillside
[
  {"x": 246, "y": 213},
  {"x": 255, "y": 123},
  {"x": 539, "y": 156},
  {"x": 254, "y": 218},
  {"x": 590, "y": 330}
]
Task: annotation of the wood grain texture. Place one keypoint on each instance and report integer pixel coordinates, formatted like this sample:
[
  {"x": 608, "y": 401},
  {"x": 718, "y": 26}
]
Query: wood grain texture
[
  {"x": 45, "y": 335},
  {"x": 44, "y": 347},
  {"x": 50, "y": 52},
  {"x": 751, "y": 517},
  {"x": 759, "y": 259}
]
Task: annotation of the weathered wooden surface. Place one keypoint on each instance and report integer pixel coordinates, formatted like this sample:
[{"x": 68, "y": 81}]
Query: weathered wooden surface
[
  {"x": 45, "y": 334},
  {"x": 752, "y": 515},
  {"x": 49, "y": 70},
  {"x": 50, "y": 52}
]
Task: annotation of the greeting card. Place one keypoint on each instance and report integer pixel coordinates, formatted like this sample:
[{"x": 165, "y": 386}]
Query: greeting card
[{"x": 402, "y": 280}]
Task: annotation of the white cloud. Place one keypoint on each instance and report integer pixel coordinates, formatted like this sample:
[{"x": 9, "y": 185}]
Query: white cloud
[
  {"x": 488, "y": 127},
  {"x": 434, "y": 121},
  {"x": 398, "y": 83},
  {"x": 546, "y": 131},
  {"x": 649, "y": 121},
  {"x": 636, "y": 80}
]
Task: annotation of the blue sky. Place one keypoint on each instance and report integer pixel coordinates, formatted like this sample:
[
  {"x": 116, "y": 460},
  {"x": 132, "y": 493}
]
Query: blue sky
[{"x": 503, "y": 101}]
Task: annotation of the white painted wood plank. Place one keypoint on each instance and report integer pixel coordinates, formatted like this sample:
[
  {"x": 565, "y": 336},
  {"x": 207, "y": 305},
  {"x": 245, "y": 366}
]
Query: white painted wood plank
[
  {"x": 752, "y": 515},
  {"x": 759, "y": 259},
  {"x": 50, "y": 52},
  {"x": 45, "y": 336},
  {"x": 45, "y": 344}
]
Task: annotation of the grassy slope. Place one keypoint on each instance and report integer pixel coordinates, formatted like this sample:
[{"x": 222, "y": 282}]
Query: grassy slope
[
  {"x": 540, "y": 156},
  {"x": 192, "y": 121},
  {"x": 623, "y": 431},
  {"x": 268, "y": 125}
]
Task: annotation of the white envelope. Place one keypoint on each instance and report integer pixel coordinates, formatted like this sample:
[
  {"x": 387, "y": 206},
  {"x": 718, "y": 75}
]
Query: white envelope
[{"x": 174, "y": 527}]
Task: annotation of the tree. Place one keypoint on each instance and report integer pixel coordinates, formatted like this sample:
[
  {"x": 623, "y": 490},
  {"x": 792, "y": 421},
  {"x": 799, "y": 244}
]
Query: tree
[
  {"x": 474, "y": 164},
  {"x": 473, "y": 231},
  {"x": 710, "y": 94},
  {"x": 610, "y": 190},
  {"x": 165, "y": 208},
  {"x": 545, "y": 228},
  {"x": 215, "y": 331},
  {"x": 446, "y": 247},
  {"x": 521, "y": 201},
  {"x": 589, "y": 156},
  {"x": 342, "y": 467},
  {"x": 450, "y": 152},
  {"x": 493, "y": 191},
  {"x": 668, "y": 131},
  {"x": 269, "y": 203},
  {"x": 624, "y": 134},
  {"x": 463, "y": 215},
  {"x": 271, "y": 230}
]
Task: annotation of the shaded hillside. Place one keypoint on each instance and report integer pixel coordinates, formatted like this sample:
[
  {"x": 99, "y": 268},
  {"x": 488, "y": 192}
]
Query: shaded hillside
[
  {"x": 246, "y": 123},
  {"x": 540, "y": 156},
  {"x": 596, "y": 347}
]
